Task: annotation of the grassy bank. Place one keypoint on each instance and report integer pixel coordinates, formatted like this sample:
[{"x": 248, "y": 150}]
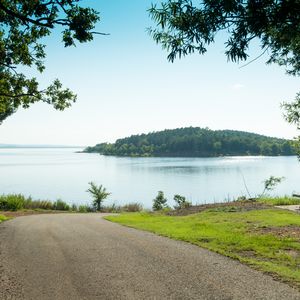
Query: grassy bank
[
  {"x": 266, "y": 239},
  {"x": 3, "y": 218}
]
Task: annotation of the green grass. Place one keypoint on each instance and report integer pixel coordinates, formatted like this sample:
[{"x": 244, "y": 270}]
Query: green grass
[
  {"x": 3, "y": 218},
  {"x": 280, "y": 201},
  {"x": 240, "y": 235}
]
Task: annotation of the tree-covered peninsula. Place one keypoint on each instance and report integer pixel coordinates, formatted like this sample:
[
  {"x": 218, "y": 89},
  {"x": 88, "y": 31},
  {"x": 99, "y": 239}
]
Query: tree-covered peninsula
[{"x": 196, "y": 142}]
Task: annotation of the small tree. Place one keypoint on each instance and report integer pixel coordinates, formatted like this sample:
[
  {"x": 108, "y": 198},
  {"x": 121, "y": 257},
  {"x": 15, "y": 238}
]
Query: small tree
[
  {"x": 99, "y": 194},
  {"x": 271, "y": 183},
  {"x": 181, "y": 202},
  {"x": 160, "y": 202}
]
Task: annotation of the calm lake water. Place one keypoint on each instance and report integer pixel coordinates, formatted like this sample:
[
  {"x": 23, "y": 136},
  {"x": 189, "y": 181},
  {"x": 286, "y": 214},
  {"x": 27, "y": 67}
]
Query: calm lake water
[{"x": 62, "y": 173}]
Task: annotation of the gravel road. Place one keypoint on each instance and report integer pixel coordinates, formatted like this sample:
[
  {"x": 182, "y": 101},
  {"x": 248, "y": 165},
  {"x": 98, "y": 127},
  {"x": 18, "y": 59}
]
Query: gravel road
[{"x": 82, "y": 256}]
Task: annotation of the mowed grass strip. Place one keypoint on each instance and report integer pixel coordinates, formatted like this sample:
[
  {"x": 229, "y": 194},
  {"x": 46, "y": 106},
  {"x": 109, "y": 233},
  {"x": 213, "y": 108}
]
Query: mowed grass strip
[
  {"x": 280, "y": 201},
  {"x": 267, "y": 239}
]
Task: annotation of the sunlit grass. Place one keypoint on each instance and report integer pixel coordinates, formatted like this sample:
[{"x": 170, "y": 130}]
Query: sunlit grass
[
  {"x": 280, "y": 201},
  {"x": 3, "y": 218},
  {"x": 240, "y": 235}
]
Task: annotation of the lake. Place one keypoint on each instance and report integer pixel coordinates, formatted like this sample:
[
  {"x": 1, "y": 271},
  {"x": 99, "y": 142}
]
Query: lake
[{"x": 62, "y": 173}]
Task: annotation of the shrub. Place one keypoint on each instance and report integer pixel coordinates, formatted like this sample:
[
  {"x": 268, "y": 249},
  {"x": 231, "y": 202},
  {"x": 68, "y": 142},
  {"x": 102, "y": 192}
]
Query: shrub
[
  {"x": 181, "y": 202},
  {"x": 83, "y": 209},
  {"x": 12, "y": 202},
  {"x": 160, "y": 202},
  {"x": 38, "y": 204},
  {"x": 99, "y": 194},
  {"x": 132, "y": 207},
  {"x": 74, "y": 207},
  {"x": 60, "y": 205},
  {"x": 113, "y": 208}
]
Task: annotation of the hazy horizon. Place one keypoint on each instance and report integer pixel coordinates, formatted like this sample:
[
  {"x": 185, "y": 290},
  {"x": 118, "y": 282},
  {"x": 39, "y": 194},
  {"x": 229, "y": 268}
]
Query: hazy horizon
[{"x": 43, "y": 145}]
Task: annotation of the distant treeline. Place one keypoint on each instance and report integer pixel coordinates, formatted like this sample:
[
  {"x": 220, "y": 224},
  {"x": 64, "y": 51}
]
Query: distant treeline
[{"x": 196, "y": 142}]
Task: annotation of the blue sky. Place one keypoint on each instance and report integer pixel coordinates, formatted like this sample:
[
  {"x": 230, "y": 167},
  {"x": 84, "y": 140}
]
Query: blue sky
[{"x": 125, "y": 85}]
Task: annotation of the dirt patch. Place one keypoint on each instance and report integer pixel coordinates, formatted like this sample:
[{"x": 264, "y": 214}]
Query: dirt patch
[
  {"x": 247, "y": 253},
  {"x": 293, "y": 253},
  {"x": 290, "y": 231},
  {"x": 235, "y": 206}
]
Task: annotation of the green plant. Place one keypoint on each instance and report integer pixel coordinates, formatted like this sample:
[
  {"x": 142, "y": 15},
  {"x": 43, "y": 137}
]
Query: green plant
[
  {"x": 74, "y": 207},
  {"x": 113, "y": 208},
  {"x": 160, "y": 202},
  {"x": 60, "y": 205},
  {"x": 12, "y": 202},
  {"x": 132, "y": 207},
  {"x": 181, "y": 202},
  {"x": 270, "y": 184},
  {"x": 3, "y": 218},
  {"x": 83, "y": 209},
  {"x": 24, "y": 26},
  {"x": 99, "y": 194},
  {"x": 38, "y": 204},
  {"x": 280, "y": 201}
]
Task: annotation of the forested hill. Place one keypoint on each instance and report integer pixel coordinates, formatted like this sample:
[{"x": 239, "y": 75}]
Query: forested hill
[{"x": 195, "y": 142}]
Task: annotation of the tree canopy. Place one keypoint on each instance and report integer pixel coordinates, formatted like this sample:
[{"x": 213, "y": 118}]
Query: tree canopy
[
  {"x": 196, "y": 142},
  {"x": 184, "y": 27},
  {"x": 23, "y": 24}
]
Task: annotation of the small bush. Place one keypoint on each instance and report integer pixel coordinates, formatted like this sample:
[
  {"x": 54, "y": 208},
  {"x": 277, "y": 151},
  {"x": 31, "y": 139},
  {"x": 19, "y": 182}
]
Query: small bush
[
  {"x": 38, "y": 204},
  {"x": 60, "y": 205},
  {"x": 132, "y": 207},
  {"x": 160, "y": 202},
  {"x": 112, "y": 208},
  {"x": 99, "y": 194},
  {"x": 181, "y": 202},
  {"x": 85, "y": 209},
  {"x": 74, "y": 207},
  {"x": 12, "y": 202}
]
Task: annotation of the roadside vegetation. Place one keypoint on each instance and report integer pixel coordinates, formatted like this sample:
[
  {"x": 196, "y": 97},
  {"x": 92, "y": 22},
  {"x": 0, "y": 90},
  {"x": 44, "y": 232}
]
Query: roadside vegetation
[
  {"x": 3, "y": 218},
  {"x": 277, "y": 201},
  {"x": 14, "y": 202},
  {"x": 253, "y": 232},
  {"x": 20, "y": 205}
]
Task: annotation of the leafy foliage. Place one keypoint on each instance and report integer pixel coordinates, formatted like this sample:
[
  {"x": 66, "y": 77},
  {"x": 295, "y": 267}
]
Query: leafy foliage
[
  {"x": 99, "y": 194},
  {"x": 292, "y": 115},
  {"x": 160, "y": 202},
  {"x": 185, "y": 27},
  {"x": 195, "y": 141},
  {"x": 61, "y": 205},
  {"x": 16, "y": 202},
  {"x": 23, "y": 24},
  {"x": 132, "y": 207},
  {"x": 271, "y": 183},
  {"x": 181, "y": 202},
  {"x": 12, "y": 202}
]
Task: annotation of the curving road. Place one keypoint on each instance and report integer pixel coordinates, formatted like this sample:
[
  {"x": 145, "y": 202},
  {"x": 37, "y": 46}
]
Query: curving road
[{"x": 82, "y": 256}]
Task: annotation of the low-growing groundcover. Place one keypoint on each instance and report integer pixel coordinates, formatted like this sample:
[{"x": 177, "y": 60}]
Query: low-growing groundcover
[
  {"x": 266, "y": 239},
  {"x": 3, "y": 218}
]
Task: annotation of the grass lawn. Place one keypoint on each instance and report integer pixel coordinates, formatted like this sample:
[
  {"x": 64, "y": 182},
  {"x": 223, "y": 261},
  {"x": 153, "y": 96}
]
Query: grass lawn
[
  {"x": 266, "y": 239},
  {"x": 3, "y": 218},
  {"x": 280, "y": 201}
]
